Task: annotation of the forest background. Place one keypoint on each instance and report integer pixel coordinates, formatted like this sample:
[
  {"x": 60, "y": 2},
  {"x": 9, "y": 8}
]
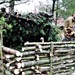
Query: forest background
[{"x": 31, "y": 26}]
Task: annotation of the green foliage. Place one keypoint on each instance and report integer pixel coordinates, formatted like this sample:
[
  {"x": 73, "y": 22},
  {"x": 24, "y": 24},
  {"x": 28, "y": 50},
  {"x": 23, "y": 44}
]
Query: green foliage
[
  {"x": 67, "y": 8},
  {"x": 2, "y": 20},
  {"x": 30, "y": 28},
  {"x": 4, "y": 24}
]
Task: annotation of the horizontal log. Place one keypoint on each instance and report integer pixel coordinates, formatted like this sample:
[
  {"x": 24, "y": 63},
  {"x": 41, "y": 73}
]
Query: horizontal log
[
  {"x": 67, "y": 73},
  {"x": 65, "y": 46},
  {"x": 31, "y": 72},
  {"x": 66, "y": 42},
  {"x": 56, "y": 47},
  {"x": 11, "y": 51},
  {"x": 32, "y": 63},
  {"x": 28, "y": 72},
  {"x": 63, "y": 62},
  {"x": 33, "y": 48},
  {"x": 32, "y": 43},
  {"x": 70, "y": 63},
  {"x": 33, "y": 58},
  {"x": 66, "y": 50},
  {"x": 62, "y": 54},
  {"x": 7, "y": 56},
  {"x": 62, "y": 70},
  {"x": 33, "y": 52},
  {"x": 28, "y": 48},
  {"x": 28, "y": 53},
  {"x": 42, "y": 69},
  {"x": 63, "y": 58},
  {"x": 48, "y": 46},
  {"x": 64, "y": 65},
  {"x": 28, "y": 58},
  {"x": 49, "y": 43},
  {"x": 46, "y": 68}
]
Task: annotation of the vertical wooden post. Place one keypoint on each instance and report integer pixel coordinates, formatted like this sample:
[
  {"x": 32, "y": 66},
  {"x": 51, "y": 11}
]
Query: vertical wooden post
[
  {"x": 1, "y": 44},
  {"x": 37, "y": 58},
  {"x": 51, "y": 55}
]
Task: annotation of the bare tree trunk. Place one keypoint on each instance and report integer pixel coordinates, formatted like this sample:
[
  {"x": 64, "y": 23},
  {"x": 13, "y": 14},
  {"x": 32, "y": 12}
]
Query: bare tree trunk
[
  {"x": 53, "y": 6},
  {"x": 11, "y": 9}
]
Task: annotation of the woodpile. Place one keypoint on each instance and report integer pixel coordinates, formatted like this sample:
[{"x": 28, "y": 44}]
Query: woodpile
[
  {"x": 52, "y": 57},
  {"x": 12, "y": 61},
  {"x": 40, "y": 58}
]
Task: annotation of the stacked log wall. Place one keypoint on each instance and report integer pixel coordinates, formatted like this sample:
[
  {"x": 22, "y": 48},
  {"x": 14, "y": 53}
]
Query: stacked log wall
[{"x": 37, "y": 58}]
